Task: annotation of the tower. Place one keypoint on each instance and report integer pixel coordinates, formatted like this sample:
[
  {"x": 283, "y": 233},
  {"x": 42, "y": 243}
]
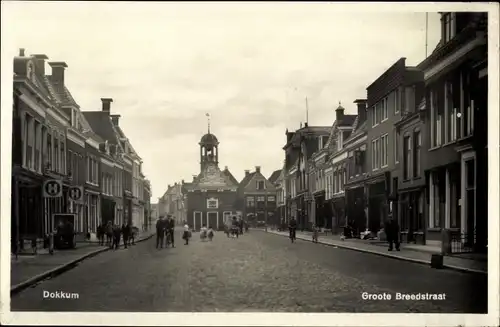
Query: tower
[{"x": 209, "y": 149}]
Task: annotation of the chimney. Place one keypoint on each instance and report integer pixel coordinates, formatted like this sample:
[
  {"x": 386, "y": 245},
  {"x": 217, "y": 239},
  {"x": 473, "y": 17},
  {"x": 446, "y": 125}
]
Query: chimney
[
  {"x": 40, "y": 63},
  {"x": 106, "y": 104},
  {"x": 225, "y": 168},
  {"x": 247, "y": 172},
  {"x": 58, "y": 72},
  {"x": 339, "y": 113},
  {"x": 361, "y": 110},
  {"x": 301, "y": 125},
  {"x": 115, "y": 119},
  {"x": 194, "y": 178},
  {"x": 182, "y": 181},
  {"x": 257, "y": 169},
  {"x": 21, "y": 52}
]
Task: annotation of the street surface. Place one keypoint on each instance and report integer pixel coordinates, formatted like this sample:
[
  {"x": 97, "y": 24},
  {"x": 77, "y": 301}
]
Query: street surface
[{"x": 257, "y": 272}]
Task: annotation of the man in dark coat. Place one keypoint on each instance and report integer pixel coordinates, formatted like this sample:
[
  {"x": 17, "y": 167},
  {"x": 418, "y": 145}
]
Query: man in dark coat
[
  {"x": 126, "y": 234},
  {"x": 160, "y": 233},
  {"x": 392, "y": 232},
  {"x": 116, "y": 236},
  {"x": 171, "y": 227}
]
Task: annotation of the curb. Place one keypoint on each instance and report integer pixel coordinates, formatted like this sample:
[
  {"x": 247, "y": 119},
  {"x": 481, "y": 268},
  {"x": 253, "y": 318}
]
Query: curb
[
  {"x": 62, "y": 268},
  {"x": 452, "y": 267}
]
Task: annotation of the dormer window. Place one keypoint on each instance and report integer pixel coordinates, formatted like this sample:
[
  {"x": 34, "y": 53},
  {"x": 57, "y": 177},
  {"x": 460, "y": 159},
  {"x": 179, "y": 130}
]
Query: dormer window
[
  {"x": 449, "y": 26},
  {"x": 74, "y": 118}
]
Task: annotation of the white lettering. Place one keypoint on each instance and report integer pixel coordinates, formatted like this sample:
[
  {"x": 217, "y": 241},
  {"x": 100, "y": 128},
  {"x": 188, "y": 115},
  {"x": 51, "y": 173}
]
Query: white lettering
[
  {"x": 60, "y": 295},
  {"x": 376, "y": 296}
]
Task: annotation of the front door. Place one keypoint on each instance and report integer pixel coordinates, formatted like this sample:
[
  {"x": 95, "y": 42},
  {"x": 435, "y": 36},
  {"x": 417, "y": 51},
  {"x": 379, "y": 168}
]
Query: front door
[
  {"x": 212, "y": 219},
  {"x": 198, "y": 217}
]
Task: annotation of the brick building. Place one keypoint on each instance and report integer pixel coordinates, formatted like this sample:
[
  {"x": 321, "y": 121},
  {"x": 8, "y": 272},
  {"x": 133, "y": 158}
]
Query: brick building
[
  {"x": 212, "y": 196},
  {"x": 259, "y": 198},
  {"x": 384, "y": 99}
]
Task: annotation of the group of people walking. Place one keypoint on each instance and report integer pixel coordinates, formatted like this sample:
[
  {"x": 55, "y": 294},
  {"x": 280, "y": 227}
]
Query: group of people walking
[
  {"x": 165, "y": 227},
  {"x": 235, "y": 227},
  {"x": 111, "y": 234}
]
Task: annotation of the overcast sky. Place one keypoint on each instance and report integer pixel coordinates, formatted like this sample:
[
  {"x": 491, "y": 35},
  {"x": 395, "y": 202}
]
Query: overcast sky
[{"x": 249, "y": 65}]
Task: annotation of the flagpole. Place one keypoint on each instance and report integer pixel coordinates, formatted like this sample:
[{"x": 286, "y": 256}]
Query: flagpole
[{"x": 307, "y": 112}]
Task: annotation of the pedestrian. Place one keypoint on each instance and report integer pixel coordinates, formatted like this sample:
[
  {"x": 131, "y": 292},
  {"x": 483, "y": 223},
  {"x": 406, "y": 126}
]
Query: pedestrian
[
  {"x": 109, "y": 233},
  {"x": 171, "y": 227},
  {"x": 133, "y": 234},
  {"x": 126, "y": 234},
  {"x": 116, "y": 237},
  {"x": 159, "y": 233},
  {"x": 392, "y": 232},
  {"x": 210, "y": 233},
  {"x": 315, "y": 233},
  {"x": 100, "y": 234},
  {"x": 186, "y": 234},
  {"x": 203, "y": 232}
]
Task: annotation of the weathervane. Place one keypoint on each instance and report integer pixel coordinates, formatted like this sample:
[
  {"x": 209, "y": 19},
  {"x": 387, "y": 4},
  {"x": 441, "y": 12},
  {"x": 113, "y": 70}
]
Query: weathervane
[{"x": 208, "y": 121}]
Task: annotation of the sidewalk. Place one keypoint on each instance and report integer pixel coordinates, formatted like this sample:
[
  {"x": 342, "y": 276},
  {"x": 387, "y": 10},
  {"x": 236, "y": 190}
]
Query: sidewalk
[
  {"x": 412, "y": 253},
  {"x": 28, "y": 270}
]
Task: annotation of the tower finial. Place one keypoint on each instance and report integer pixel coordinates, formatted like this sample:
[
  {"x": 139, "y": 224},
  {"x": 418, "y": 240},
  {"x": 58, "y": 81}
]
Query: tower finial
[{"x": 208, "y": 119}]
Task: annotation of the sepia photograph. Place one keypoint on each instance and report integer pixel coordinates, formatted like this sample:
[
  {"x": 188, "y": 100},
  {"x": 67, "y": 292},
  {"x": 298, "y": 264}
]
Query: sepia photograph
[{"x": 279, "y": 158}]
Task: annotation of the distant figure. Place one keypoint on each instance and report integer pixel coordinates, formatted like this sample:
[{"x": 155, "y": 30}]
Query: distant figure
[
  {"x": 315, "y": 230},
  {"x": 171, "y": 228},
  {"x": 109, "y": 233},
  {"x": 160, "y": 234},
  {"x": 126, "y": 234},
  {"x": 100, "y": 234},
  {"x": 210, "y": 233},
  {"x": 186, "y": 234},
  {"x": 116, "y": 237},
  {"x": 203, "y": 232},
  {"x": 392, "y": 233}
]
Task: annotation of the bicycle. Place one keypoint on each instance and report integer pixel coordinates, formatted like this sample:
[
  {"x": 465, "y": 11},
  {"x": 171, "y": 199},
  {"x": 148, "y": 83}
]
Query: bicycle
[{"x": 169, "y": 238}]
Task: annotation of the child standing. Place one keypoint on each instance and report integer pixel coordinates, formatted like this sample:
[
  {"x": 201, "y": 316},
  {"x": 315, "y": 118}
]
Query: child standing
[
  {"x": 203, "y": 232},
  {"x": 185, "y": 234}
]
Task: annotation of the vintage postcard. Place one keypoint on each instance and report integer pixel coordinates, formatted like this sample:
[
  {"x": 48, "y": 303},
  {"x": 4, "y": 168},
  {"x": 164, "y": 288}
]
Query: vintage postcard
[{"x": 250, "y": 163}]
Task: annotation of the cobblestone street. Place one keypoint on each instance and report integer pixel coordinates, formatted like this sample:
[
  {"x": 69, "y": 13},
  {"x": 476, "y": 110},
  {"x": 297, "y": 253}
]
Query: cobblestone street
[{"x": 257, "y": 272}]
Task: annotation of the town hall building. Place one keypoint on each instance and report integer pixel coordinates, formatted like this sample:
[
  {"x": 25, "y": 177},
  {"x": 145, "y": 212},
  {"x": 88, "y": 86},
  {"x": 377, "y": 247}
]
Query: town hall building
[{"x": 212, "y": 196}]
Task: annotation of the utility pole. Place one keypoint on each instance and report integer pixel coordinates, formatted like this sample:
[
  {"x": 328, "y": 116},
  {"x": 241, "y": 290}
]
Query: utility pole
[
  {"x": 307, "y": 112},
  {"x": 426, "y": 32}
]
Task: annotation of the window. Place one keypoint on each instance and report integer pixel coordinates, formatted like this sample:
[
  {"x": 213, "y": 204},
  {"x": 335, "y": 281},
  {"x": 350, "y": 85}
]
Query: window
[
  {"x": 48, "y": 150},
  {"x": 38, "y": 146},
  {"x": 374, "y": 116},
  {"x": 437, "y": 104},
  {"x": 250, "y": 201},
  {"x": 385, "y": 109},
  {"x": 396, "y": 147},
  {"x": 30, "y": 123},
  {"x": 397, "y": 101},
  {"x": 56, "y": 153},
  {"x": 212, "y": 204},
  {"x": 376, "y": 154},
  {"x": 384, "y": 144},
  {"x": 449, "y": 26},
  {"x": 417, "y": 138},
  {"x": 261, "y": 199},
  {"x": 260, "y": 185},
  {"x": 407, "y": 157},
  {"x": 271, "y": 198},
  {"x": 468, "y": 103},
  {"x": 451, "y": 111},
  {"x": 402, "y": 99},
  {"x": 71, "y": 159},
  {"x": 62, "y": 158}
]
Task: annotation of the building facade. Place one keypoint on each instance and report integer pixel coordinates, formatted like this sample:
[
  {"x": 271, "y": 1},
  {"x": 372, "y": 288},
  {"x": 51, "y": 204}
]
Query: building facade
[
  {"x": 299, "y": 149},
  {"x": 259, "y": 198},
  {"x": 55, "y": 150},
  {"x": 384, "y": 99},
  {"x": 456, "y": 111},
  {"x": 212, "y": 196}
]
